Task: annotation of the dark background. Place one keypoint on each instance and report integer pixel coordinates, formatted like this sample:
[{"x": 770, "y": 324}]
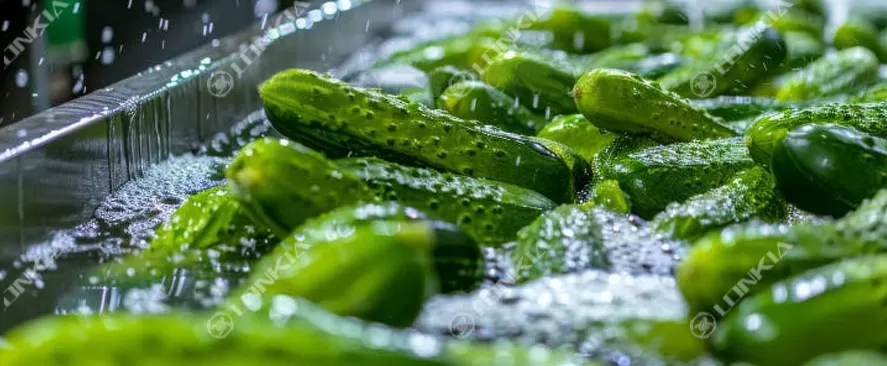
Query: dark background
[{"x": 169, "y": 28}]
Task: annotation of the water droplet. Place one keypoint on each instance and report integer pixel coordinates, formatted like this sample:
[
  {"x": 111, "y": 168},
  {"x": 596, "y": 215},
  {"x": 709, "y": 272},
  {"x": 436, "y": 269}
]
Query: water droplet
[{"x": 21, "y": 78}]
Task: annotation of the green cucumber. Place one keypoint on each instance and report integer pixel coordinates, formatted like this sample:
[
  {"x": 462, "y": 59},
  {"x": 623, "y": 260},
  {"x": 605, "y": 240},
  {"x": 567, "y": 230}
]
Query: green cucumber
[
  {"x": 829, "y": 169},
  {"x": 802, "y": 50},
  {"x": 857, "y": 31},
  {"x": 443, "y": 77},
  {"x": 343, "y": 120},
  {"x": 793, "y": 20},
  {"x": 736, "y": 108},
  {"x": 491, "y": 212},
  {"x": 381, "y": 272},
  {"x": 574, "y": 131},
  {"x": 476, "y": 100},
  {"x": 655, "y": 67},
  {"x": 418, "y": 95},
  {"x": 461, "y": 51},
  {"x": 663, "y": 12},
  {"x": 572, "y": 29},
  {"x": 263, "y": 176},
  {"x": 740, "y": 62},
  {"x": 750, "y": 194},
  {"x": 824, "y": 310},
  {"x": 541, "y": 84},
  {"x": 619, "y": 57},
  {"x": 609, "y": 195},
  {"x": 768, "y": 131},
  {"x": 655, "y": 176},
  {"x": 873, "y": 94},
  {"x": 462, "y": 353},
  {"x": 831, "y": 75},
  {"x": 743, "y": 259},
  {"x": 816, "y": 7},
  {"x": 849, "y": 358},
  {"x": 621, "y": 101}
]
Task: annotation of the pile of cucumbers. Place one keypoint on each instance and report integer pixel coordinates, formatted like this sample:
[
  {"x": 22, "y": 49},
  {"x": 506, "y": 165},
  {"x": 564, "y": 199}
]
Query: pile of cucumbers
[{"x": 742, "y": 157}]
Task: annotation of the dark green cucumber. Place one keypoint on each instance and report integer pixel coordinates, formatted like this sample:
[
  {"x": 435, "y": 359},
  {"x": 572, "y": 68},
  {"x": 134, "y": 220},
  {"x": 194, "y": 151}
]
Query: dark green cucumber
[
  {"x": 491, "y": 212},
  {"x": 573, "y": 30},
  {"x": 829, "y": 309},
  {"x": 476, "y": 100},
  {"x": 740, "y": 62},
  {"x": 816, "y": 7},
  {"x": 768, "y": 132},
  {"x": 743, "y": 259},
  {"x": 875, "y": 93},
  {"x": 849, "y": 358},
  {"x": 541, "y": 84},
  {"x": 342, "y": 120},
  {"x": 736, "y": 108},
  {"x": 281, "y": 183},
  {"x": 461, "y": 51},
  {"x": 832, "y": 74},
  {"x": 381, "y": 271},
  {"x": 609, "y": 195},
  {"x": 655, "y": 176},
  {"x": 574, "y": 131},
  {"x": 655, "y": 67},
  {"x": 829, "y": 169},
  {"x": 443, "y": 77},
  {"x": 663, "y": 12},
  {"x": 621, "y": 101},
  {"x": 857, "y": 31},
  {"x": 750, "y": 194},
  {"x": 803, "y": 49}
]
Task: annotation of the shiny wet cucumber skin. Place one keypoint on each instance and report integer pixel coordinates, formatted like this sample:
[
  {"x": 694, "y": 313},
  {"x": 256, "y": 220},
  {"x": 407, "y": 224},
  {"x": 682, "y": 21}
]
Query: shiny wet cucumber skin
[
  {"x": 366, "y": 123},
  {"x": 491, "y": 212},
  {"x": 831, "y": 75},
  {"x": 476, "y": 100}
]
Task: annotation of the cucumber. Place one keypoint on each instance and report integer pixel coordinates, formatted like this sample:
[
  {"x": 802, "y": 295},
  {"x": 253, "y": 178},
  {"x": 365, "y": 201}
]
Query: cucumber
[
  {"x": 831, "y": 75},
  {"x": 736, "y": 108},
  {"x": 849, "y": 358},
  {"x": 443, "y": 77},
  {"x": 750, "y": 194},
  {"x": 655, "y": 67},
  {"x": 793, "y": 20},
  {"x": 768, "y": 132},
  {"x": 609, "y": 195},
  {"x": 381, "y": 271},
  {"x": 343, "y": 120},
  {"x": 541, "y": 84},
  {"x": 816, "y": 7},
  {"x": 663, "y": 12},
  {"x": 803, "y": 49},
  {"x": 857, "y": 31},
  {"x": 476, "y": 100},
  {"x": 873, "y": 94},
  {"x": 464, "y": 52},
  {"x": 491, "y": 212},
  {"x": 740, "y": 62},
  {"x": 621, "y": 101},
  {"x": 418, "y": 95},
  {"x": 507, "y": 353},
  {"x": 655, "y": 176},
  {"x": 573, "y": 30},
  {"x": 743, "y": 259},
  {"x": 185, "y": 339},
  {"x": 619, "y": 57},
  {"x": 262, "y": 178},
  {"x": 824, "y": 310},
  {"x": 829, "y": 169},
  {"x": 574, "y": 131}
]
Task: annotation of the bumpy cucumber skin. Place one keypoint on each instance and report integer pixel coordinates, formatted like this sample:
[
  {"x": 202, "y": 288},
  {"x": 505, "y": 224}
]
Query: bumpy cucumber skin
[
  {"x": 491, "y": 212},
  {"x": 341, "y": 119},
  {"x": 750, "y": 194},
  {"x": 184, "y": 339},
  {"x": 655, "y": 176},
  {"x": 827, "y": 309},
  {"x": 735, "y": 108},
  {"x": 543, "y": 248},
  {"x": 476, "y": 100},
  {"x": 443, "y": 77},
  {"x": 831, "y": 75},
  {"x": 574, "y": 131},
  {"x": 849, "y": 358},
  {"x": 609, "y": 195},
  {"x": 829, "y": 169},
  {"x": 381, "y": 271},
  {"x": 262, "y": 178},
  {"x": 616, "y": 100},
  {"x": 764, "y": 50},
  {"x": 541, "y": 84},
  {"x": 763, "y": 137},
  {"x": 721, "y": 260},
  {"x": 859, "y": 32}
]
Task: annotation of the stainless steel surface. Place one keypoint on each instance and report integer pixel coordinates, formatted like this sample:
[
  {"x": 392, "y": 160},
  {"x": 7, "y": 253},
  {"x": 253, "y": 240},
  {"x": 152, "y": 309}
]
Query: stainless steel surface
[{"x": 56, "y": 166}]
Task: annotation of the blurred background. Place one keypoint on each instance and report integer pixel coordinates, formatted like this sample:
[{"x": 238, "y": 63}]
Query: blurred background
[{"x": 57, "y": 50}]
